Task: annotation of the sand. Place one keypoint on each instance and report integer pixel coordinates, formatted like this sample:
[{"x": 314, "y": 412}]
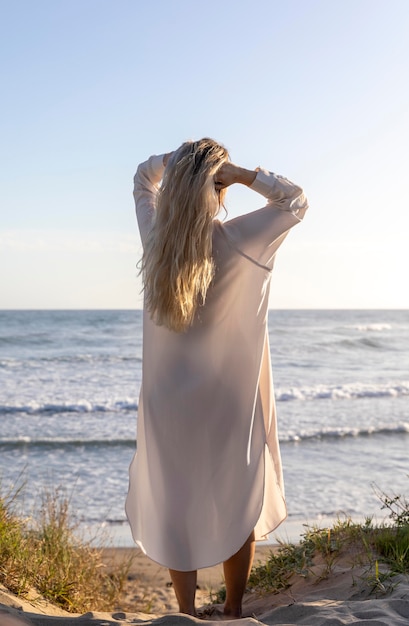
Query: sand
[{"x": 345, "y": 595}]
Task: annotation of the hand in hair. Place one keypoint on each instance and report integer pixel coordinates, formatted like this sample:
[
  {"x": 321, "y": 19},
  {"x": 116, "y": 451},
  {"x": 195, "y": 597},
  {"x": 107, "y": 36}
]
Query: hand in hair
[
  {"x": 228, "y": 174},
  {"x": 166, "y": 158}
]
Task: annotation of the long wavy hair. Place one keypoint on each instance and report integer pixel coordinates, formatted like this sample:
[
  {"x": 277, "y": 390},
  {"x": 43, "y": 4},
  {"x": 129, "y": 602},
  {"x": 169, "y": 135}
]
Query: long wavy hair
[{"x": 177, "y": 264}]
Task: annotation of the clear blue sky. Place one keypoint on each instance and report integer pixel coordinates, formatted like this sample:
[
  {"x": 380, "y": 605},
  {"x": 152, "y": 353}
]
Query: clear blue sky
[{"x": 316, "y": 90}]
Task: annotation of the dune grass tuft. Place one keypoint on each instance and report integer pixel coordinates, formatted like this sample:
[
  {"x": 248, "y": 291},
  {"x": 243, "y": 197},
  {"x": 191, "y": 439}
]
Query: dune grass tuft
[
  {"x": 45, "y": 556},
  {"x": 275, "y": 573},
  {"x": 383, "y": 549}
]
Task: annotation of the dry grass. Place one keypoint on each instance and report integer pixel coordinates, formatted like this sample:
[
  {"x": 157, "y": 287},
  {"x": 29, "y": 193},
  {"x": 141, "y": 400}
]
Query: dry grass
[{"x": 45, "y": 555}]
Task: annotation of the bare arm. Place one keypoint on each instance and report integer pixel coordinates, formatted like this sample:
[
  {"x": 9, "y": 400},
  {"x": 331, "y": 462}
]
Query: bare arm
[{"x": 229, "y": 173}]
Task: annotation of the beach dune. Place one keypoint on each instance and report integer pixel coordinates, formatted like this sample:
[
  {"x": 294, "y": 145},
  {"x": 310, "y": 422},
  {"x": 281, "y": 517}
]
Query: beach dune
[{"x": 345, "y": 595}]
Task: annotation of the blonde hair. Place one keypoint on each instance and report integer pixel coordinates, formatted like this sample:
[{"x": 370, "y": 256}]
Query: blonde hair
[{"x": 177, "y": 264}]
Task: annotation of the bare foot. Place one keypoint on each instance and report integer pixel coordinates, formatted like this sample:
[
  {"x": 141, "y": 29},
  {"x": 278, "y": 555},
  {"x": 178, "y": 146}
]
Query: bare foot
[{"x": 216, "y": 613}]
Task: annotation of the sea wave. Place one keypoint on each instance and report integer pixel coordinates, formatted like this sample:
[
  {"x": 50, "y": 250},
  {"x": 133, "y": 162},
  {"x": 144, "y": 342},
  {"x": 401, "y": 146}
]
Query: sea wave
[
  {"x": 81, "y": 406},
  {"x": 289, "y": 437},
  {"x": 61, "y": 442},
  {"x": 348, "y": 391},
  {"x": 362, "y": 343},
  {"x": 351, "y": 391},
  {"x": 358, "y": 343},
  {"x": 373, "y": 327},
  {"x": 341, "y": 433},
  {"x": 70, "y": 359},
  {"x": 38, "y": 338}
]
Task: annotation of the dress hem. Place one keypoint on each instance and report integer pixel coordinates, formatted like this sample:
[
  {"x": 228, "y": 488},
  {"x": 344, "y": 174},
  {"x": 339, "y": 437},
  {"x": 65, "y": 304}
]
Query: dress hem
[{"x": 232, "y": 551}]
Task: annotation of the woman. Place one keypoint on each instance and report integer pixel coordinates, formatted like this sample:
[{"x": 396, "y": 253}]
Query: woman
[{"x": 206, "y": 481}]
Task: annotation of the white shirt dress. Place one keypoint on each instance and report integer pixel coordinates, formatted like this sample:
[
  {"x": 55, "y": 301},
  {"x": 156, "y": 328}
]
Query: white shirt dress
[{"x": 207, "y": 470}]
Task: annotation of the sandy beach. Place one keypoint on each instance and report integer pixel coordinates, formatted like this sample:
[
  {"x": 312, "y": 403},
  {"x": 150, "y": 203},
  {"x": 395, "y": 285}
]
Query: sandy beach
[{"x": 346, "y": 595}]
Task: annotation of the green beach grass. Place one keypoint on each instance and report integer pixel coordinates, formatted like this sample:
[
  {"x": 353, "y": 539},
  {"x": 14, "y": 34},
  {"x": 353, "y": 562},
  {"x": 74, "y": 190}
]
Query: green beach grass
[
  {"x": 384, "y": 550},
  {"x": 43, "y": 555},
  {"x": 381, "y": 549}
]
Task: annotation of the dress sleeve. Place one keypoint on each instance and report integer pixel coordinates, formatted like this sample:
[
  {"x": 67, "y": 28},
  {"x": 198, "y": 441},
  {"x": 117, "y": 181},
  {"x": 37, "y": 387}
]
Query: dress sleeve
[
  {"x": 146, "y": 186},
  {"x": 260, "y": 233}
]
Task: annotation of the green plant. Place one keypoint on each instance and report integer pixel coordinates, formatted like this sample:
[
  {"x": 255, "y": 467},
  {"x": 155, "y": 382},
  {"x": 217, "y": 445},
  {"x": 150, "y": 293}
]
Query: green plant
[
  {"x": 392, "y": 543},
  {"x": 218, "y": 596},
  {"x": 397, "y": 505},
  {"x": 46, "y": 555},
  {"x": 372, "y": 545},
  {"x": 274, "y": 575}
]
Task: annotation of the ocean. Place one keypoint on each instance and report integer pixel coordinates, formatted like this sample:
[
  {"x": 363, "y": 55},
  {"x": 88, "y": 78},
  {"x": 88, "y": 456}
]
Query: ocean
[{"x": 69, "y": 386}]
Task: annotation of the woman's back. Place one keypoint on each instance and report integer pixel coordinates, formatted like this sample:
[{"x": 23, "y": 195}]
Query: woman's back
[{"x": 207, "y": 469}]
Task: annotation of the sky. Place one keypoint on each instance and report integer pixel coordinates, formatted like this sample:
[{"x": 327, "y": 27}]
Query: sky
[{"x": 316, "y": 90}]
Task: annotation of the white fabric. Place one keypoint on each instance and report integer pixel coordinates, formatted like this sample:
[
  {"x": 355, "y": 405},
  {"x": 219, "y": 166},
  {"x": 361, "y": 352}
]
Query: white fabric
[{"x": 207, "y": 468}]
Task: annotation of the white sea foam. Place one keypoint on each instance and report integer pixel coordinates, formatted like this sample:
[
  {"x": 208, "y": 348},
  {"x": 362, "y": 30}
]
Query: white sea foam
[
  {"x": 342, "y": 432},
  {"x": 291, "y": 436},
  {"x": 34, "y": 407},
  {"x": 348, "y": 391},
  {"x": 374, "y": 327}
]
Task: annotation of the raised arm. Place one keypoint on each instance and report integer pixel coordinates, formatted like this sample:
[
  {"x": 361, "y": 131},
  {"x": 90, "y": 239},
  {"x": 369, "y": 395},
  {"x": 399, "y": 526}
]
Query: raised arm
[
  {"x": 146, "y": 185},
  {"x": 229, "y": 173},
  {"x": 260, "y": 233}
]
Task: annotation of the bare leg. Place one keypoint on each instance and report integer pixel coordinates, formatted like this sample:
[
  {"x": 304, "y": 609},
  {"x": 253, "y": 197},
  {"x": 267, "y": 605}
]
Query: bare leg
[
  {"x": 184, "y": 584},
  {"x": 236, "y": 573}
]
